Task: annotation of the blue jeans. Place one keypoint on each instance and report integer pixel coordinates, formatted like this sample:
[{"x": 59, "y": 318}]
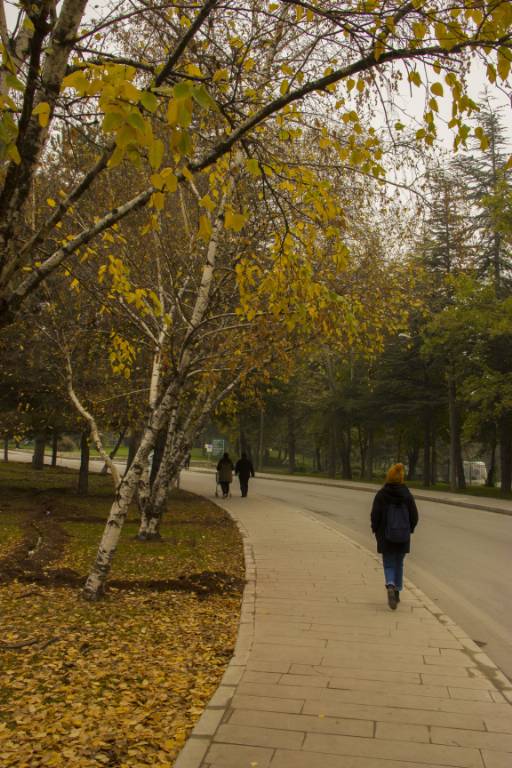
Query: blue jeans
[{"x": 393, "y": 563}]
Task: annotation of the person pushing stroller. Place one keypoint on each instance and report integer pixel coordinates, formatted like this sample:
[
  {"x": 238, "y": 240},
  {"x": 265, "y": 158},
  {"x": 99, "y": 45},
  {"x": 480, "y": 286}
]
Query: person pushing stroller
[{"x": 225, "y": 474}]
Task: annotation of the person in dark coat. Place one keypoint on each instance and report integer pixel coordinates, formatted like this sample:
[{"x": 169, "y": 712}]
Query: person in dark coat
[
  {"x": 244, "y": 470},
  {"x": 225, "y": 474},
  {"x": 394, "y": 495}
]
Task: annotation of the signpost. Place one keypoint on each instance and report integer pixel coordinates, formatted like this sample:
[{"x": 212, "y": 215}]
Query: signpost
[{"x": 218, "y": 447}]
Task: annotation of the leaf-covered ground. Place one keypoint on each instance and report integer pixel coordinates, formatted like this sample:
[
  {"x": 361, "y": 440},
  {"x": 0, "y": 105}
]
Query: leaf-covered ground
[{"x": 119, "y": 683}]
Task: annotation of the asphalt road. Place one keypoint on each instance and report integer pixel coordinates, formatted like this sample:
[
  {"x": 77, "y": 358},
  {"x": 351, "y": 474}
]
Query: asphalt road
[{"x": 460, "y": 557}]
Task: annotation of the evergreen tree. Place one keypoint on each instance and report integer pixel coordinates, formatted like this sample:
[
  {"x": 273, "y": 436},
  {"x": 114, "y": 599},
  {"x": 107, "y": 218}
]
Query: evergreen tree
[{"x": 487, "y": 176}]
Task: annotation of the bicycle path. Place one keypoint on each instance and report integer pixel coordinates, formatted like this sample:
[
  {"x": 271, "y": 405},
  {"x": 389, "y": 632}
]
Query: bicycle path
[{"x": 325, "y": 675}]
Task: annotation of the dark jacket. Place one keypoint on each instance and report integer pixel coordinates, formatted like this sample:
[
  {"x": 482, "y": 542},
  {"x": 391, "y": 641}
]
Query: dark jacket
[
  {"x": 225, "y": 470},
  {"x": 381, "y": 501},
  {"x": 244, "y": 468}
]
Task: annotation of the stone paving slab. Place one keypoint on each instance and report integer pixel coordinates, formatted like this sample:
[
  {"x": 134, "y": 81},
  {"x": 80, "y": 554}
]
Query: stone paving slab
[{"x": 324, "y": 675}]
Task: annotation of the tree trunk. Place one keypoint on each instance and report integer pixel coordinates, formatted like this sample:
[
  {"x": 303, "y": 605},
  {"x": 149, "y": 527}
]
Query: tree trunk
[
  {"x": 291, "y": 442},
  {"x": 143, "y": 494},
  {"x": 370, "y": 455},
  {"x": 95, "y": 585},
  {"x": 452, "y": 413},
  {"x": 318, "y": 458},
  {"x": 157, "y": 455},
  {"x": 83, "y": 474},
  {"x": 398, "y": 453},
  {"x": 346, "y": 449},
  {"x": 39, "y": 446},
  {"x": 456, "y": 473},
  {"x": 461, "y": 478},
  {"x": 506, "y": 453},
  {"x": 363, "y": 449},
  {"x": 6, "y": 448},
  {"x": 426, "y": 451},
  {"x": 331, "y": 458},
  {"x": 491, "y": 472},
  {"x": 133, "y": 445},
  {"x": 55, "y": 445},
  {"x": 261, "y": 441},
  {"x": 413, "y": 455},
  {"x": 243, "y": 444},
  {"x": 433, "y": 459},
  {"x": 176, "y": 448}
]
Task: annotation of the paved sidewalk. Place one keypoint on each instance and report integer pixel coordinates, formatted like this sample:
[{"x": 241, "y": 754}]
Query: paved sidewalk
[{"x": 326, "y": 676}]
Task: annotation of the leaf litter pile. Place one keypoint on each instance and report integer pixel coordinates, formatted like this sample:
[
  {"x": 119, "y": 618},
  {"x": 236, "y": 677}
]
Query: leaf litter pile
[{"x": 121, "y": 682}]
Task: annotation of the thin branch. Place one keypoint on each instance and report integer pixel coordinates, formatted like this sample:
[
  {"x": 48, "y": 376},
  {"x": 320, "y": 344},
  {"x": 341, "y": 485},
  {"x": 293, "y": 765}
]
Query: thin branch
[{"x": 116, "y": 477}]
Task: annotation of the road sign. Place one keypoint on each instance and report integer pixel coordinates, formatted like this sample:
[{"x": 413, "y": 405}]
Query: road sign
[{"x": 218, "y": 447}]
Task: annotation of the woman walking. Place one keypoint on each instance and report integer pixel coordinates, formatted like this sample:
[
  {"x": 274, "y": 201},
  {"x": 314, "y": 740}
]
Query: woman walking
[
  {"x": 394, "y": 517},
  {"x": 225, "y": 470}
]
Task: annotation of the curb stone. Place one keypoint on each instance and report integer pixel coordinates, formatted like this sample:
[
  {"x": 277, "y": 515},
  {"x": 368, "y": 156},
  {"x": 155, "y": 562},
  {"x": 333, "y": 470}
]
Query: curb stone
[{"x": 196, "y": 746}]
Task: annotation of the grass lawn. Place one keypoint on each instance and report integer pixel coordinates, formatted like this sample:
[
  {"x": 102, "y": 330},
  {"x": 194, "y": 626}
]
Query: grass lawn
[{"x": 121, "y": 682}]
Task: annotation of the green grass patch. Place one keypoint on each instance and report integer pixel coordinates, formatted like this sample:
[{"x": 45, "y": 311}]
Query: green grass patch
[{"x": 197, "y": 535}]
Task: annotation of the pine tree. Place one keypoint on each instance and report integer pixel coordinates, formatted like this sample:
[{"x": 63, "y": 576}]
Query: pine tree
[{"x": 489, "y": 186}]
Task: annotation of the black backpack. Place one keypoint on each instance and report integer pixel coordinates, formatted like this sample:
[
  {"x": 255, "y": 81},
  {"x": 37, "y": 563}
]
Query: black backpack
[{"x": 398, "y": 527}]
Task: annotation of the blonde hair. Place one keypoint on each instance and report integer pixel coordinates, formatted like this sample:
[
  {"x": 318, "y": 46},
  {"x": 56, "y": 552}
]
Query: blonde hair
[{"x": 396, "y": 474}]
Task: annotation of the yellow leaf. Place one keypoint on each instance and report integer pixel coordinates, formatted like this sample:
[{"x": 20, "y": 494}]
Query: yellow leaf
[
  {"x": 43, "y": 113},
  {"x": 220, "y": 74},
  {"x": 503, "y": 63},
  {"x": 205, "y": 228},
  {"x": 420, "y": 30},
  {"x": 437, "y": 89},
  {"x": 207, "y": 203},
  {"x": 172, "y": 112},
  {"x": 193, "y": 70},
  {"x": 253, "y": 166},
  {"x": 12, "y": 152},
  {"x": 414, "y": 77},
  {"x": 156, "y": 153},
  {"x": 157, "y": 200},
  {"x": 76, "y": 80},
  {"x": 170, "y": 180},
  {"x": 234, "y": 221},
  {"x": 51, "y": 202}
]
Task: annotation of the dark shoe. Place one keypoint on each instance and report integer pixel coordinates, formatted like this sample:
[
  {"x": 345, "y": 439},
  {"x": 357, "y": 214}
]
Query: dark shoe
[
  {"x": 397, "y": 595},
  {"x": 391, "y": 596}
]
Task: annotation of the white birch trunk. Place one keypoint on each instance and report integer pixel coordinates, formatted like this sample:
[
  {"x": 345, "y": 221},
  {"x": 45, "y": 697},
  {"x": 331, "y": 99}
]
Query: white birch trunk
[
  {"x": 95, "y": 584},
  {"x": 143, "y": 493}
]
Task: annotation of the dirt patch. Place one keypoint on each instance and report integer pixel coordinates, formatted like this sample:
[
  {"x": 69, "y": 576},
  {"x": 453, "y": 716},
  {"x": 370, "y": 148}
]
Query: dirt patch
[
  {"x": 42, "y": 543},
  {"x": 202, "y": 584}
]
